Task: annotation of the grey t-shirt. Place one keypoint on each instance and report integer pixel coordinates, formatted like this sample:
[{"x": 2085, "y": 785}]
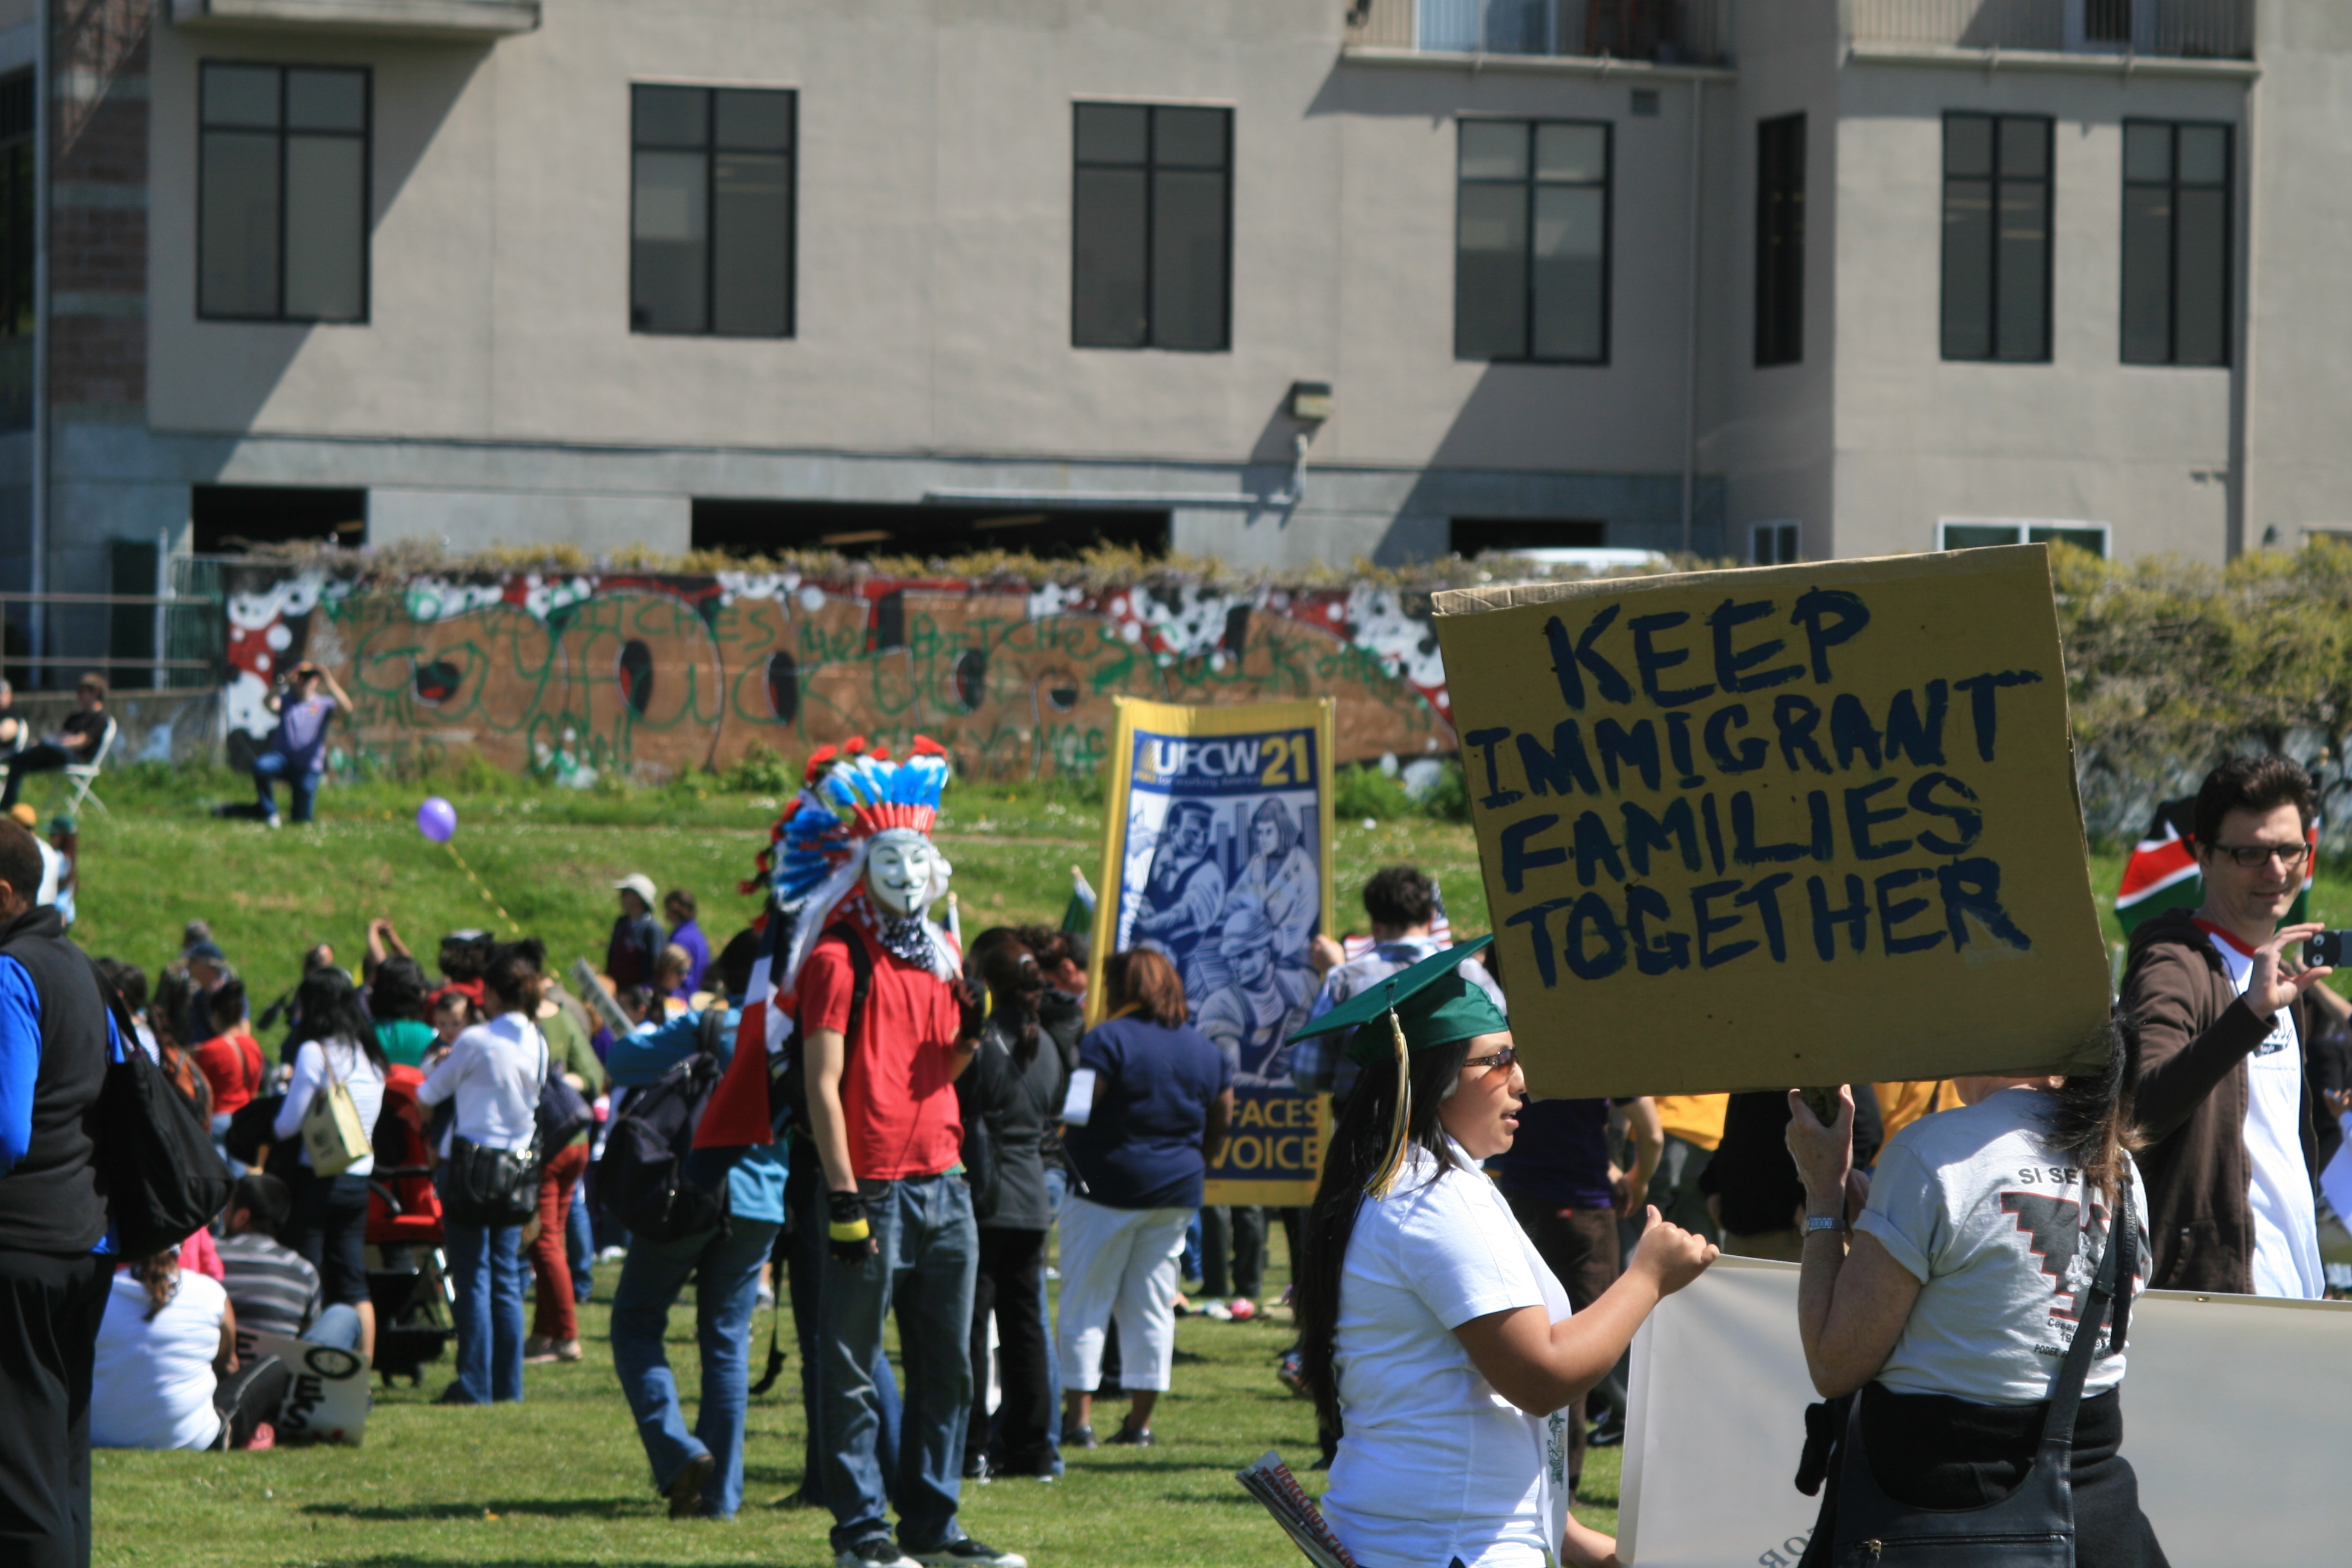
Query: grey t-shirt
[{"x": 1994, "y": 1226}]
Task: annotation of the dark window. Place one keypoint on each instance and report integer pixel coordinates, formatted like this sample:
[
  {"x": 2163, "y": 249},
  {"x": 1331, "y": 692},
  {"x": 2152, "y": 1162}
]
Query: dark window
[
  {"x": 2177, "y": 222},
  {"x": 1532, "y": 242},
  {"x": 1531, "y": 248},
  {"x": 233, "y": 517},
  {"x": 1780, "y": 241},
  {"x": 16, "y": 230},
  {"x": 2107, "y": 21},
  {"x": 2092, "y": 537},
  {"x": 710, "y": 224},
  {"x": 1996, "y": 236},
  {"x": 282, "y": 205},
  {"x": 1152, "y": 227},
  {"x": 1469, "y": 537},
  {"x": 1775, "y": 544},
  {"x": 861, "y": 529}
]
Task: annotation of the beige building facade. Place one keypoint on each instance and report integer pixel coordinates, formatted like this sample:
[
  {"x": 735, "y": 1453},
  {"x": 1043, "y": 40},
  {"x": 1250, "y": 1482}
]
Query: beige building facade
[{"x": 1485, "y": 273}]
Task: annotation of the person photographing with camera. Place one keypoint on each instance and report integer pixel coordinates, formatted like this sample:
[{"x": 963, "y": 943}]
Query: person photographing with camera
[
  {"x": 297, "y": 752},
  {"x": 2225, "y": 1101}
]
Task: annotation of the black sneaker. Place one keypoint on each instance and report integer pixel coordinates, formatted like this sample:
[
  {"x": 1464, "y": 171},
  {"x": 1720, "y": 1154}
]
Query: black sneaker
[
  {"x": 1133, "y": 1437},
  {"x": 967, "y": 1553},
  {"x": 874, "y": 1552},
  {"x": 454, "y": 1395},
  {"x": 1080, "y": 1438}
]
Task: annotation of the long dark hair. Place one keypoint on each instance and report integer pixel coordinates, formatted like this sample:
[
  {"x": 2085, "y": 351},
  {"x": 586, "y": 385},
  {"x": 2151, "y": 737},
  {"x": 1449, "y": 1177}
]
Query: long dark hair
[
  {"x": 399, "y": 991},
  {"x": 1359, "y": 1144},
  {"x": 1014, "y": 982},
  {"x": 2094, "y": 1125},
  {"x": 329, "y": 1005}
]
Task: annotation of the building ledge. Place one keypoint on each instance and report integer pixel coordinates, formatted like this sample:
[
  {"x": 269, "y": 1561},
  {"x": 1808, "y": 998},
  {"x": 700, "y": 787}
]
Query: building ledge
[
  {"x": 1550, "y": 65},
  {"x": 1953, "y": 57},
  {"x": 479, "y": 21}
]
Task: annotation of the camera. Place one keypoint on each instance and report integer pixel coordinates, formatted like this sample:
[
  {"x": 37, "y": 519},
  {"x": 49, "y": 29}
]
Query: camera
[{"x": 2329, "y": 948}]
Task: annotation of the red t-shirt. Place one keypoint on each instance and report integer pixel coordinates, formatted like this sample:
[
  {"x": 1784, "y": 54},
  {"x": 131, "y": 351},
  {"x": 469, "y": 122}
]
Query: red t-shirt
[
  {"x": 897, "y": 1089},
  {"x": 231, "y": 1063}
]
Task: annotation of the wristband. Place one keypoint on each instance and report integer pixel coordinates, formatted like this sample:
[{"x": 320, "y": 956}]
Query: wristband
[{"x": 1819, "y": 1222}]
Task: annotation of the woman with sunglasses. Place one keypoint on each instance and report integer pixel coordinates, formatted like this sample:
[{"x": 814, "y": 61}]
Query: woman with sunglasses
[{"x": 1438, "y": 1348}]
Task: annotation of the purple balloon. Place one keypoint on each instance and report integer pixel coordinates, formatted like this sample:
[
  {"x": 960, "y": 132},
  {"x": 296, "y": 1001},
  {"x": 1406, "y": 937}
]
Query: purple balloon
[{"x": 437, "y": 819}]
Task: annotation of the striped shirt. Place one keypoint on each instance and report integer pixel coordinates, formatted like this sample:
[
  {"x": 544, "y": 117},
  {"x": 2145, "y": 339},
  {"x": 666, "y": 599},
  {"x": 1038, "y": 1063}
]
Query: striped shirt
[{"x": 273, "y": 1288}]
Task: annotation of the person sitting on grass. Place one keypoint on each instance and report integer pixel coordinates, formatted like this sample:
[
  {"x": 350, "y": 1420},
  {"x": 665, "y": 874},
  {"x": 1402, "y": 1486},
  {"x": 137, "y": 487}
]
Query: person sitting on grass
[
  {"x": 272, "y": 1288},
  {"x": 230, "y": 1059},
  {"x": 167, "y": 1374},
  {"x": 78, "y": 742}
]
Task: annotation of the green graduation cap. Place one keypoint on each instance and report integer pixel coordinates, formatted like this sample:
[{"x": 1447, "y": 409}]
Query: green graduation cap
[
  {"x": 1434, "y": 1006},
  {"x": 1427, "y": 1006}
]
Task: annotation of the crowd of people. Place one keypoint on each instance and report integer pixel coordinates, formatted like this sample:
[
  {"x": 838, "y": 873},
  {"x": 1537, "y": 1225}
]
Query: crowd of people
[{"x": 944, "y": 1134}]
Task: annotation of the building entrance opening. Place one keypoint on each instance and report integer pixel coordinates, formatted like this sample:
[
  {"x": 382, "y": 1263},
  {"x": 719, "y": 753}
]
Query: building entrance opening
[{"x": 232, "y": 519}]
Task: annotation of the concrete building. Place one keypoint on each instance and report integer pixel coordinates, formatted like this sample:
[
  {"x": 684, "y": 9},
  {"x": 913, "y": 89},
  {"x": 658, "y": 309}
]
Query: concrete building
[{"x": 1277, "y": 280}]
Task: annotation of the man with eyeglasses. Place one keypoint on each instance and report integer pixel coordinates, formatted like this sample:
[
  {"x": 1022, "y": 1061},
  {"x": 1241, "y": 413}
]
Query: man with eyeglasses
[{"x": 2225, "y": 1101}]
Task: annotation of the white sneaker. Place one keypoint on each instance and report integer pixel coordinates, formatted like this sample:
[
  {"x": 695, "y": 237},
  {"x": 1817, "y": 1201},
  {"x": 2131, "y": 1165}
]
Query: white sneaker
[
  {"x": 874, "y": 1552},
  {"x": 612, "y": 1254}
]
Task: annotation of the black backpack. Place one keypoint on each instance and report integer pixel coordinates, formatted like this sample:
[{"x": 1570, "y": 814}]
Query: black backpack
[
  {"x": 162, "y": 1180},
  {"x": 647, "y": 1179}
]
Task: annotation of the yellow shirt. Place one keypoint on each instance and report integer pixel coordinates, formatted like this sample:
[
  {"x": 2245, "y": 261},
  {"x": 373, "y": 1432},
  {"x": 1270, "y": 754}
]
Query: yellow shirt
[
  {"x": 1901, "y": 1104},
  {"x": 1694, "y": 1118}
]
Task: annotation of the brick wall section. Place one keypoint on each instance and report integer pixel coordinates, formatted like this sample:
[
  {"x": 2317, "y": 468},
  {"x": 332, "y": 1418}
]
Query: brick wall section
[{"x": 99, "y": 119}]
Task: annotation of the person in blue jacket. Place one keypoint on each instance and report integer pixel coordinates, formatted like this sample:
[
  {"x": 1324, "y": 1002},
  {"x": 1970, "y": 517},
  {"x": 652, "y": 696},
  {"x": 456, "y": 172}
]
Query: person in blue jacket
[{"x": 701, "y": 1471}]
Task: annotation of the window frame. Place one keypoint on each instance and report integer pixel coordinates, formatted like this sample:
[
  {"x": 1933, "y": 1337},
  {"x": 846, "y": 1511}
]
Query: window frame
[
  {"x": 1995, "y": 180},
  {"x": 1608, "y": 128},
  {"x": 365, "y": 136},
  {"x": 2025, "y": 528},
  {"x": 1150, "y": 167},
  {"x": 2173, "y": 187},
  {"x": 1786, "y": 343},
  {"x": 711, "y": 151},
  {"x": 1776, "y": 530}
]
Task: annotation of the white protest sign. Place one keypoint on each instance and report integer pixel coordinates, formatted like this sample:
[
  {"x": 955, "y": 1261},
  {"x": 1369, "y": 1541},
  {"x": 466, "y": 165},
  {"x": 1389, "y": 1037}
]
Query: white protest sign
[
  {"x": 2234, "y": 1412},
  {"x": 328, "y": 1400}
]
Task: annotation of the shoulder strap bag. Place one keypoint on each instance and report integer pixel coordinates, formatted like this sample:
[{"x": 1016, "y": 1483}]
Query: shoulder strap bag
[
  {"x": 496, "y": 1187},
  {"x": 333, "y": 1134},
  {"x": 2033, "y": 1526},
  {"x": 156, "y": 1167}
]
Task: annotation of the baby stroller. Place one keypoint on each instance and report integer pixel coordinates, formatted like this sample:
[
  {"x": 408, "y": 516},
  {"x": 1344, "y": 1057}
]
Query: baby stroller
[{"x": 409, "y": 1276}]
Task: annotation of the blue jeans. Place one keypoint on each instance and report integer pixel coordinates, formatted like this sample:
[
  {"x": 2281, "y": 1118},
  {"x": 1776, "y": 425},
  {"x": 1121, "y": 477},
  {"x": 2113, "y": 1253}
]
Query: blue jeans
[
  {"x": 487, "y": 1266},
  {"x": 300, "y": 781},
  {"x": 805, "y": 1261},
  {"x": 338, "y": 1326},
  {"x": 928, "y": 1251},
  {"x": 220, "y": 1143},
  {"x": 580, "y": 1241},
  {"x": 1057, "y": 1188},
  {"x": 725, "y": 1268}
]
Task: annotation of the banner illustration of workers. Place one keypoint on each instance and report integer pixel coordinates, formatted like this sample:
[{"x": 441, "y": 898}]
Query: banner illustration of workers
[
  {"x": 1218, "y": 853},
  {"x": 1797, "y": 825}
]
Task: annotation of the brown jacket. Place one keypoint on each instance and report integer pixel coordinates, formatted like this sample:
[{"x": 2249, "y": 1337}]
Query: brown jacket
[{"x": 2196, "y": 1034}]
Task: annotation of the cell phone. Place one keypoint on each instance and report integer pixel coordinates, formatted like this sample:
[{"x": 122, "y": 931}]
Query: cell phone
[{"x": 2329, "y": 948}]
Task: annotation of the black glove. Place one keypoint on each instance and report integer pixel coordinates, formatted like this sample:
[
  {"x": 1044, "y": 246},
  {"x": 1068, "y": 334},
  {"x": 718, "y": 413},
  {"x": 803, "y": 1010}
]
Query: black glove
[
  {"x": 974, "y": 1003},
  {"x": 846, "y": 1232}
]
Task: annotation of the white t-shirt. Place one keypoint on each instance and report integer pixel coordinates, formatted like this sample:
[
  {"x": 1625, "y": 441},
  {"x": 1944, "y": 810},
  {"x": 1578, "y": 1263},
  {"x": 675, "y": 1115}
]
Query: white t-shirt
[
  {"x": 361, "y": 1077},
  {"x": 2278, "y": 1186},
  {"x": 1434, "y": 1464},
  {"x": 1991, "y": 1223},
  {"x": 153, "y": 1386},
  {"x": 494, "y": 1069}
]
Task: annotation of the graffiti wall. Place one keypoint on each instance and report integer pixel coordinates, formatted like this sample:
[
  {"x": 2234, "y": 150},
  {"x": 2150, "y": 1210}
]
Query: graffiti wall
[{"x": 573, "y": 676}]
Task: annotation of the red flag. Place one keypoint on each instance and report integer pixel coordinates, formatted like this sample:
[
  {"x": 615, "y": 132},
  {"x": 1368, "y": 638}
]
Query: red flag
[{"x": 736, "y": 1116}]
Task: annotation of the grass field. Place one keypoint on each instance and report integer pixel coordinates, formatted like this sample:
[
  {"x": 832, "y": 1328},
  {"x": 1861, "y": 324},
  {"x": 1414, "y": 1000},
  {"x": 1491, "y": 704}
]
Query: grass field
[{"x": 561, "y": 1479}]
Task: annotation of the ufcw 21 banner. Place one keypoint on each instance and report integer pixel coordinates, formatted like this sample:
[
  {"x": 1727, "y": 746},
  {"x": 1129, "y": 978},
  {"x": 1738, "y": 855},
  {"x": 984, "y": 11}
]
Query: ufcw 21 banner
[{"x": 1217, "y": 852}]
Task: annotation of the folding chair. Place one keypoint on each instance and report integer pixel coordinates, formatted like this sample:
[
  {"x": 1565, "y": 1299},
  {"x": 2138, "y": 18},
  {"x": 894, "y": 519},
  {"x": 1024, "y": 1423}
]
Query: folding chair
[{"x": 79, "y": 777}]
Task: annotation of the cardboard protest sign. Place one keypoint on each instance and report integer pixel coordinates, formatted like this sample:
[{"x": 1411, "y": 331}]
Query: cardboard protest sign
[
  {"x": 1798, "y": 824},
  {"x": 1217, "y": 852},
  {"x": 329, "y": 1398}
]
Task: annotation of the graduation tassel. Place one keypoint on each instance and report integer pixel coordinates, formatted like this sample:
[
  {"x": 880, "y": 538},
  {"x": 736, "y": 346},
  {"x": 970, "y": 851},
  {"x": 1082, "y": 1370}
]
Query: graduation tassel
[{"x": 1392, "y": 1162}]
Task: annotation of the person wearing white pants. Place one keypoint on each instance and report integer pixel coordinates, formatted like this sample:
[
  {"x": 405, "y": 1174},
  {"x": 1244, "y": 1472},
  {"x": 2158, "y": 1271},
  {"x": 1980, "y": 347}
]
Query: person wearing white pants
[{"x": 1146, "y": 1114}]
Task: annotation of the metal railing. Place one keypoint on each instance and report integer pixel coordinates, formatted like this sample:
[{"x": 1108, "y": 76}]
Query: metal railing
[
  {"x": 1666, "y": 32},
  {"x": 2194, "y": 29},
  {"x": 150, "y": 640}
]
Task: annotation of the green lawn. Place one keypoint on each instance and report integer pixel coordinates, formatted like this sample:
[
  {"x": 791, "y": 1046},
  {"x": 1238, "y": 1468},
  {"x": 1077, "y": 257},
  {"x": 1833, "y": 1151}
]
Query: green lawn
[{"x": 561, "y": 1479}]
